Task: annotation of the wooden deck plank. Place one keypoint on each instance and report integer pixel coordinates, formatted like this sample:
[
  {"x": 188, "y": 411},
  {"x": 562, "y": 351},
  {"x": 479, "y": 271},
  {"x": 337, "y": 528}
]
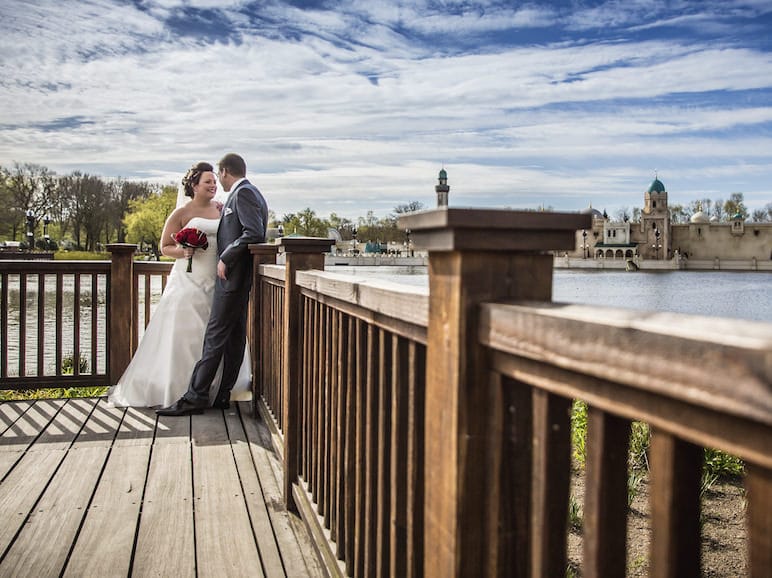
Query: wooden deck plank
[
  {"x": 115, "y": 509},
  {"x": 256, "y": 505},
  {"x": 11, "y": 411},
  {"x": 63, "y": 430},
  {"x": 165, "y": 545},
  {"x": 25, "y": 429},
  {"x": 78, "y": 482},
  {"x": 295, "y": 547},
  {"x": 57, "y": 516},
  {"x": 222, "y": 549},
  {"x": 32, "y": 474}
]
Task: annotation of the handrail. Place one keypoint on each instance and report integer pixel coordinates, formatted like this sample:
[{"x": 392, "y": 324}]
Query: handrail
[{"x": 431, "y": 430}]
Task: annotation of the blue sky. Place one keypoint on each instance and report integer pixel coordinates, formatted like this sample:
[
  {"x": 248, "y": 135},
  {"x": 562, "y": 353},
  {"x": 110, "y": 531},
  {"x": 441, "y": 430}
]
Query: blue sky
[{"x": 356, "y": 105}]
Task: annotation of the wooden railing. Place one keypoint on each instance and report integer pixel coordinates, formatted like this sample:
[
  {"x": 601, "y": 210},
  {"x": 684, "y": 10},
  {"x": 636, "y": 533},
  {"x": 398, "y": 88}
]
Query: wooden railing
[
  {"x": 426, "y": 433},
  {"x": 429, "y": 435},
  {"x": 74, "y": 323}
]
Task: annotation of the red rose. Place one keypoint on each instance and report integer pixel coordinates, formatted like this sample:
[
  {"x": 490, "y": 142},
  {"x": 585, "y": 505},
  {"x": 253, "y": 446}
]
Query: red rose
[{"x": 193, "y": 238}]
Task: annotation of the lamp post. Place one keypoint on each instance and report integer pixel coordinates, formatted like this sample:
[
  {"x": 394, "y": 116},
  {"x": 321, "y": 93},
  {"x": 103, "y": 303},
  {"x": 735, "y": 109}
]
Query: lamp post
[
  {"x": 355, "y": 251},
  {"x": 46, "y": 237},
  {"x": 656, "y": 243},
  {"x": 407, "y": 243},
  {"x": 584, "y": 244},
  {"x": 30, "y": 230}
]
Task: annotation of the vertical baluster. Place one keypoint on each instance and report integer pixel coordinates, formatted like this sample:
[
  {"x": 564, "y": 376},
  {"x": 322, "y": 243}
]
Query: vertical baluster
[
  {"x": 76, "y": 326},
  {"x": 340, "y": 474},
  {"x": 362, "y": 350},
  {"x": 350, "y": 434},
  {"x": 758, "y": 483},
  {"x": 41, "y": 278},
  {"x": 676, "y": 468},
  {"x": 400, "y": 384},
  {"x": 94, "y": 322},
  {"x": 4, "y": 325},
  {"x": 415, "y": 461},
  {"x": 135, "y": 312},
  {"x": 508, "y": 500},
  {"x": 371, "y": 445},
  {"x": 383, "y": 467},
  {"x": 307, "y": 427},
  {"x": 605, "y": 501},
  {"x": 320, "y": 385},
  {"x": 59, "y": 323},
  {"x": 148, "y": 279},
  {"x": 22, "y": 324},
  {"x": 551, "y": 482},
  {"x": 332, "y": 472}
]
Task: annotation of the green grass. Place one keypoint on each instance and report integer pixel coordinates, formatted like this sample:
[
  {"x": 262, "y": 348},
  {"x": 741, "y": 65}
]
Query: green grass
[
  {"x": 81, "y": 256},
  {"x": 718, "y": 465}
]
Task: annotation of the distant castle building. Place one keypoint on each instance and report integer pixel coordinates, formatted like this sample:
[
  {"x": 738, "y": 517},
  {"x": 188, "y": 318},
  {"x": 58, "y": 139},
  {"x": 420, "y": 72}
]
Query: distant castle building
[
  {"x": 655, "y": 237},
  {"x": 442, "y": 189}
]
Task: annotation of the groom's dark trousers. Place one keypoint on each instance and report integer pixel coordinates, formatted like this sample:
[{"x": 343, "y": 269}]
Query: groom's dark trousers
[{"x": 243, "y": 221}]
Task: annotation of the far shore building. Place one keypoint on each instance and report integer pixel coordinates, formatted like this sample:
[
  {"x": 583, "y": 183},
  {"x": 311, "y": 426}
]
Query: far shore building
[{"x": 655, "y": 237}]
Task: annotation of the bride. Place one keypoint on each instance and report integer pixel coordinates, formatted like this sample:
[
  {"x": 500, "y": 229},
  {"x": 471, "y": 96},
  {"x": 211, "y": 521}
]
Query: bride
[{"x": 161, "y": 368}]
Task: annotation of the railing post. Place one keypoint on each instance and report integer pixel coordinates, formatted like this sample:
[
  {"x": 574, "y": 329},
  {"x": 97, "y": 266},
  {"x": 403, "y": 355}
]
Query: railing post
[
  {"x": 262, "y": 253},
  {"x": 121, "y": 299},
  {"x": 474, "y": 256},
  {"x": 302, "y": 253}
]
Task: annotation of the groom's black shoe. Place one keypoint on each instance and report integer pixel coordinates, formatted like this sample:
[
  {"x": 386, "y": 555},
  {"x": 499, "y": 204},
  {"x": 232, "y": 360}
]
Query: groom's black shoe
[
  {"x": 222, "y": 401},
  {"x": 181, "y": 407}
]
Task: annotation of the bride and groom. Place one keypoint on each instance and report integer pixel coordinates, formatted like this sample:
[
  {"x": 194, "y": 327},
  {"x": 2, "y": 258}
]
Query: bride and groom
[{"x": 199, "y": 327}]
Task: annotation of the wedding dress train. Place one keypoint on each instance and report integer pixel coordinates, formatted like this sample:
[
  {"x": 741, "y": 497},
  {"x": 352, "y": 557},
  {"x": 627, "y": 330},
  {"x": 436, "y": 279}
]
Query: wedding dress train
[{"x": 160, "y": 370}]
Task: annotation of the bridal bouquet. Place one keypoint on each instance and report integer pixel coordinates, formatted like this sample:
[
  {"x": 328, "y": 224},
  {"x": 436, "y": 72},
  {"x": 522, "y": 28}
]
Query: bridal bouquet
[{"x": 192, "y": 238}]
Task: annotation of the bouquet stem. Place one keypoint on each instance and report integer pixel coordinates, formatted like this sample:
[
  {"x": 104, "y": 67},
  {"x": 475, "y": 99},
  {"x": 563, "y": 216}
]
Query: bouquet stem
[{"x": 190, "y": 265}]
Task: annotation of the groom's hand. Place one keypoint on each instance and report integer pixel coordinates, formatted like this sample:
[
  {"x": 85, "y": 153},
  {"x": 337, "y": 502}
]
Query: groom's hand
[{"x": 222, "y": 269}]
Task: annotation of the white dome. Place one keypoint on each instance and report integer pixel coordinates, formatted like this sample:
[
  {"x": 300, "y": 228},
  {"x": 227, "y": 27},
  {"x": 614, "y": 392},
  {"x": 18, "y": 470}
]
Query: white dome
[
  {"x": 699, "y": 217},
  {"x": 714, "y": 219}
]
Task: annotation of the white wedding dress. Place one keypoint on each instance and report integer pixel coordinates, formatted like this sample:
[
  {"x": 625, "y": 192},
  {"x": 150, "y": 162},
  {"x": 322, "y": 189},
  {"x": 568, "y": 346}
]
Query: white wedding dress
[{"x": 160, "y": 370}]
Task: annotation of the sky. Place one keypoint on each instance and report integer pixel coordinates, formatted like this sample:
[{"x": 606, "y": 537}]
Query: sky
[{"x": 355, "y": 106}]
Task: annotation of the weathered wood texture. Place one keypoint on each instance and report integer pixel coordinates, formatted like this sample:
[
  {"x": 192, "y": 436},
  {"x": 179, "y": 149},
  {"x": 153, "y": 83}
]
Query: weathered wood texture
[
  {"x": 99, "y": 491},
  {"x": 43, "y": 317}
]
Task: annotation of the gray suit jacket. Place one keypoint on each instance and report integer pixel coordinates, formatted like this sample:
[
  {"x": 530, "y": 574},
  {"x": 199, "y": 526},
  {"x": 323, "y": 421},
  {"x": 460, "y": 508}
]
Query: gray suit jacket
[{"x": 243, "y": 221}]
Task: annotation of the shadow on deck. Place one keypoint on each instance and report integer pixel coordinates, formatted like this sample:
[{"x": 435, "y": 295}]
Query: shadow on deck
[{"x": 89, "y": 490}]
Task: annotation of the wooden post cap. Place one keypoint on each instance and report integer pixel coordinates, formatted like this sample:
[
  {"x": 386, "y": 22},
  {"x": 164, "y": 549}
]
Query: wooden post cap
[
  {"x": 305, "y": 244},
  {"x": 121, "y": 248},
  {"x": 453, "y": 229},
  {"x": 264, "y": 249}
]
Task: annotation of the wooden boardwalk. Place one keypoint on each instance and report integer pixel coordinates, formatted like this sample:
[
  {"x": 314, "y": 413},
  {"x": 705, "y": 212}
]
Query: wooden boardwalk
[{"x": 89, "y": 490}]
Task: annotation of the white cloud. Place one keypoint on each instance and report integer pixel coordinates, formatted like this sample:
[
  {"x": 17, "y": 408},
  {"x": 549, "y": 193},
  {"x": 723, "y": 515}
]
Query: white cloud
[{"x": 344, "y": 108}]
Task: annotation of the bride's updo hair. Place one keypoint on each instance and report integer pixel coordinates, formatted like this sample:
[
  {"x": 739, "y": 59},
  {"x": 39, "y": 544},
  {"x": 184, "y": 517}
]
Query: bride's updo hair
[{"x": 193, "y": 176}]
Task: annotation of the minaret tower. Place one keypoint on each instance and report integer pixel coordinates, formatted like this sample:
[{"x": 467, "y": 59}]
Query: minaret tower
[
  {"x": 655, "y": 222},
  {"x": 442, "y": 190}
]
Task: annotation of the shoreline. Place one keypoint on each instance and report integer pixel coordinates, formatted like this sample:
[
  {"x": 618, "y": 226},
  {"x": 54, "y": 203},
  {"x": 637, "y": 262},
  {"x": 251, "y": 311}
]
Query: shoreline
[{"x": 676, "y": 264}]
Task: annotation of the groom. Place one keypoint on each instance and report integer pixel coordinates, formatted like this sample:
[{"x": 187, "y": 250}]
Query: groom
[{"x": 243, "y": 221}]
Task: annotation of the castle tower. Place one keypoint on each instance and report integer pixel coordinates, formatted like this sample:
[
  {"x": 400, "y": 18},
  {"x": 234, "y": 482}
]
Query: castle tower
[
  {"x": 442, "y": 190},
  {"x": 655, "y": 222}
]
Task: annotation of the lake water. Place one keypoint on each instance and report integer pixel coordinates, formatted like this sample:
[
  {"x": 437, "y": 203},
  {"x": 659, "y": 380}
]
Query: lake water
[{"x": 732, "y": 294}]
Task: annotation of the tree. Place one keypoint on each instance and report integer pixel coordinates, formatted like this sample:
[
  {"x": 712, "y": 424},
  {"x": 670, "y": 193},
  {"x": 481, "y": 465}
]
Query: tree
[
  {"x": 344, "y": 226},
  {"x": 679, "y": 214},
  {"x": 28, "y": 187},
  {"x": 763, "y": 215},
  {"x": 735, "y": 206},
  {"x": 123, "y": 193},
  {"x": 8, "y": 219},
  {"x": 622, "y": 214},
  {"x": 718, "y": 209},
  {"x": 146, "y": 216},
  {"x": 410, "y": 207}
]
